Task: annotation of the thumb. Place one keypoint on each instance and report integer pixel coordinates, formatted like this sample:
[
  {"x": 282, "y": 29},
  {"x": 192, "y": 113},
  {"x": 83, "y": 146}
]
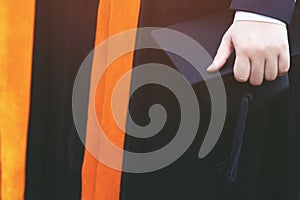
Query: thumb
[{"x": 223, "y": 53}]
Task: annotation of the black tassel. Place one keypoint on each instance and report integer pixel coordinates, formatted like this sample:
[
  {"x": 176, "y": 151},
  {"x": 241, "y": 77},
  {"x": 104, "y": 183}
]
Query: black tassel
[{"x": 229, "y": 167}]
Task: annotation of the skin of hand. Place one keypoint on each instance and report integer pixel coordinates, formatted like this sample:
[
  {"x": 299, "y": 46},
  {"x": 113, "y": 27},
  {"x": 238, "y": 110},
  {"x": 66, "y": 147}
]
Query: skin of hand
[{"x": 262, "y": 51}]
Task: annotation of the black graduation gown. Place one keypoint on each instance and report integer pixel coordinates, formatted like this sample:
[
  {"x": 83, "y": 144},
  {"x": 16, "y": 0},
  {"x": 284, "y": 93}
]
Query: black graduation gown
[
  {"x": 64, "y": 35},
  {"x": 265, "y": 160}
]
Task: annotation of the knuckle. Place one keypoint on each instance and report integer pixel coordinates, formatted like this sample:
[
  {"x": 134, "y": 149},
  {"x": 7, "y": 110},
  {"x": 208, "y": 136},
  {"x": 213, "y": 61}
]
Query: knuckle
[
  {"x": 270, "y": 76},
  {"x": 256, "y": 82},
  {"x": 274, "y": 48},
  {"x": 267, "y": 49},
  {"x": 283, "y": 47},
  {"x": 260, "y": 50},
  {"x": 284, "y": 70},
  {"x": 241, "y": 79},
  {"x": 240, "y": 75},
  {"x": 253, "y": 50},
  {"x": 244, "y": 50}
]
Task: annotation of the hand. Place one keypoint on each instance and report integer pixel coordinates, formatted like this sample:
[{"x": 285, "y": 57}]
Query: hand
[{"x": 262, "y": 51}]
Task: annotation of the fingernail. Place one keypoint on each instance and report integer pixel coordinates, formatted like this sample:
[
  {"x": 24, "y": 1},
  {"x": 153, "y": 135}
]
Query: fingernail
[{"x": 211, "y": 67}]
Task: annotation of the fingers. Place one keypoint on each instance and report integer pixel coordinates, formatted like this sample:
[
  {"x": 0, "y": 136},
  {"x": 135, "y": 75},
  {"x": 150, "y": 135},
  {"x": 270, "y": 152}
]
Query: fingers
[
  {"x": 223, "y": 53},
  {"x": 257, "y": 70},
  {"x": 283, "y": 62},
  {"x": 242, "y": 68},
  {"x": 260, "y": 68},
  {"x": 262, "y": 51},
  {"x": 271, "y": 68},
  {"x": 266, "y": 63}
]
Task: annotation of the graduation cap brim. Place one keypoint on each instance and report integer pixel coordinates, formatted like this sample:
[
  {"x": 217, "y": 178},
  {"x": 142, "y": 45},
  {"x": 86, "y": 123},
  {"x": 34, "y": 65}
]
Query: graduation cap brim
[{"x": 208, "y": 32}]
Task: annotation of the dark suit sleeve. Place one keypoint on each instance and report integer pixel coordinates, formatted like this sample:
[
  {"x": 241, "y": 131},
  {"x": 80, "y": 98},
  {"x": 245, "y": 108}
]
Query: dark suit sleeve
[{"x": 279, "y": 9}]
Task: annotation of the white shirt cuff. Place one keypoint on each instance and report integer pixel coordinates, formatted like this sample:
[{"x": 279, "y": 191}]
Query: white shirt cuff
[{"x": 248, "y": 16}]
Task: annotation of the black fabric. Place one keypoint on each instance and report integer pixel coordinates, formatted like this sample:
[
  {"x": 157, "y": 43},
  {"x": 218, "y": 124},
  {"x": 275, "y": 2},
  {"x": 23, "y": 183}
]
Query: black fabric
[
  {"x": 189, "y": 177},
  {"x": 279, "y": 9},
  {"x": 266, "y": 167},
  {"x": 294, "y": 127},
  {"x": 262, "y": 174},
  {"x": 280, "y": 163},
  {"x": 294, "y": 32},
  {"x": 166, "y": 12},
  {"x": 208, "y": 32},
  {"x": 64, "y": 35}
]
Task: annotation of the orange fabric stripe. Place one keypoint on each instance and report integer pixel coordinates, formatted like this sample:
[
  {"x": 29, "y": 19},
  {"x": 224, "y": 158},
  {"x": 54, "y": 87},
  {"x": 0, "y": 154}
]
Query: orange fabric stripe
[
  {"x": 99, "y": 181},
  {"x": 16, "y": 43}
]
